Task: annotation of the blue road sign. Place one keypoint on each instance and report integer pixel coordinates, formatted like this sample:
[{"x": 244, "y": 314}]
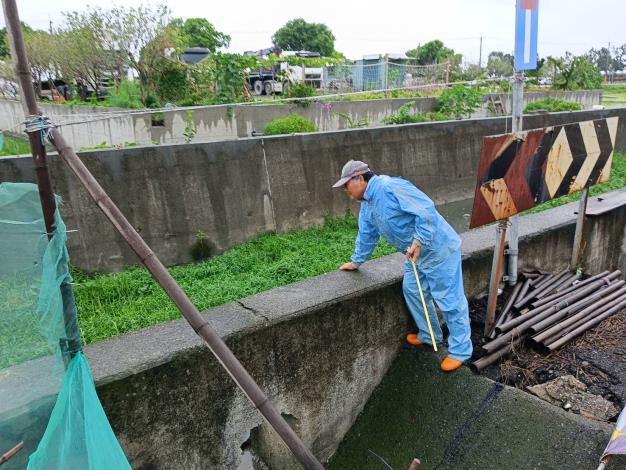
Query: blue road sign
[{"x": 526, "y": 15}]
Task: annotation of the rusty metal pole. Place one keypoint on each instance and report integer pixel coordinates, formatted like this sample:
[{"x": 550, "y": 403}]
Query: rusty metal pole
[
  {"x": 580, "y": 226},
  {"x": 71, "y": 343},
  {"x": 496, "y": 273},
  {"x": 8, "y": 455},
  {"x": 191, "y": 313}
]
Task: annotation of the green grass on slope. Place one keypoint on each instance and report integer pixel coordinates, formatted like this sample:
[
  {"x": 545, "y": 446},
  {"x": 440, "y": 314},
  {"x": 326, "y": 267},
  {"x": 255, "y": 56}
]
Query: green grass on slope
[
  {"x": 113, "y": 304},
  {"x": 14, "y": 146}
]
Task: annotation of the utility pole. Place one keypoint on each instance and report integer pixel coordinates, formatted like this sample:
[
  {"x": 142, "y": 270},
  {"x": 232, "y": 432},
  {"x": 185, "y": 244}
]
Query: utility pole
[{"x": 480, "y": 55}]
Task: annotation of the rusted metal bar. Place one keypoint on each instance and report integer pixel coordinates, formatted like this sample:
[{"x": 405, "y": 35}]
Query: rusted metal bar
[
  {"x": 531, "y": 275},
  {"x": 593, "y": 309},
  {"x": 519, "y": 287},
  {"x": 556, "y": 304},
  {"x": 496, "y": 273},
  {"x": 616, "y": 306},
  {"x": 532, "y": 318},
  {"x": 584, "y": 282},
  {"x": 542, "y": 282},
  {"x": 7, "y": 455},
  {"x": 547, "y": 287},
  {"x": 581, "y": 304},
  {"x": 523, "y": 291},
  {"x": 530, "y": 294},
  {"x": 493, "y": 357},
  {"x": 504, "y": 315},
  {"x": 580, "y": 225},
  {"x": 606, "y": 275},
  {"x": 184, "y": 304},
  {"x": 69, "y": 345},
  {"x": 538, "y": 279},
  {"x": 563, "y": 281}
]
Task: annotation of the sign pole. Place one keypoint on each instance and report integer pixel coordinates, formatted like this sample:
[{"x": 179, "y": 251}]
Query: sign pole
[
  {"x": 580, "y": 225},
  {"x": 526, "y": 16}
]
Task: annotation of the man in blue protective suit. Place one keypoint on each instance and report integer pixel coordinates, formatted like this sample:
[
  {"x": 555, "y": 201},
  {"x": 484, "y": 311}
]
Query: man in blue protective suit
[{"x": 408, "y": 220}]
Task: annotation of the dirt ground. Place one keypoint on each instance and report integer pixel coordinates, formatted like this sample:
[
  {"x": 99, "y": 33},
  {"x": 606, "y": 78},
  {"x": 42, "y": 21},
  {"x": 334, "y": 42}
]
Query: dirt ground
[{"x": 597, "y": 358}]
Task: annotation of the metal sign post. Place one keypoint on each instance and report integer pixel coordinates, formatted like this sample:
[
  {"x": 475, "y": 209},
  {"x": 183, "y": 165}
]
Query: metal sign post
[
  {"x": 526, "y": 16},
  {"x": 580, "y": 225}
]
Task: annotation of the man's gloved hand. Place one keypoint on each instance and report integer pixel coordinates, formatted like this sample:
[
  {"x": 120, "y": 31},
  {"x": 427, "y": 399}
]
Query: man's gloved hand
[
  {"x": 413, "y": 251},
  {"x": 348, "y": 266}
]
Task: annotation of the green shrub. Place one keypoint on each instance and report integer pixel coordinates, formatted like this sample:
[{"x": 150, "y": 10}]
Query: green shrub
[
  {"x": 289, "y": 125},
  {"x": 405, "y": 116},
  {"x": 300, "y": 90},
  {"x": 459, "y": 101},
  {"x": 553, "y": 104},
  {"x": 125, "y": 95}
]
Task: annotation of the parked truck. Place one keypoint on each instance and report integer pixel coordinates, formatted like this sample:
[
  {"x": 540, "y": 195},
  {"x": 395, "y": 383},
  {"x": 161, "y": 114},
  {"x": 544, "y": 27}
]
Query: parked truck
[{"x": 277, "y": 78}]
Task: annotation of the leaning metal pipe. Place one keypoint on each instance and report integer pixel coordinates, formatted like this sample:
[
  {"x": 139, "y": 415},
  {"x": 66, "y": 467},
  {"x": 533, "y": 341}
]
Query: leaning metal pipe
[
  {"x": 581, "y": 304},
  {"x": 485, "y": 361},
  {"x": 191, "y": 313},
  {"x": 616, "y": 307},
  {"x": 509, "y": 303},
  {"x": 504, "y": 315},
  {"x": 575, "y": 288},
  {"x": 586, "y": 314}
]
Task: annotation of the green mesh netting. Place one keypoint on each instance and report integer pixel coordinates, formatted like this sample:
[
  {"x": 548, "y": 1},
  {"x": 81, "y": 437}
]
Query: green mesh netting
[{"x": 47, "y": 398}]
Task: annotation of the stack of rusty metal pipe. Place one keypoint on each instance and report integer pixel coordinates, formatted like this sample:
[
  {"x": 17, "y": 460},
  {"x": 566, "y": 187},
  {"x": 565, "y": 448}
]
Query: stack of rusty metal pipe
[{"x": 549, "y": 310}]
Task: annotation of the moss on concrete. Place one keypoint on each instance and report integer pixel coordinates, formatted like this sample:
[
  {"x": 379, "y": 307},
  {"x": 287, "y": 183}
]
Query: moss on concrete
[{"x": 463, "y": 421}]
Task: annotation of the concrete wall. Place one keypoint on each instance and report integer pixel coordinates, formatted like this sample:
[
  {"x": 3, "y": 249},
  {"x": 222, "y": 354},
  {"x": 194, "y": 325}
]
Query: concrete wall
[
  {"x": 229, "y": 122},
  {"x": 233, "y": 190},
  {"x": 318, "y": 347}
]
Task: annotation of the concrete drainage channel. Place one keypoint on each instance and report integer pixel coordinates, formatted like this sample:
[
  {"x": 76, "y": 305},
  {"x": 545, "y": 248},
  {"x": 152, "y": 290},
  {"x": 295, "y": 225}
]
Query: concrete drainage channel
[{"x": 328, "y": 352}]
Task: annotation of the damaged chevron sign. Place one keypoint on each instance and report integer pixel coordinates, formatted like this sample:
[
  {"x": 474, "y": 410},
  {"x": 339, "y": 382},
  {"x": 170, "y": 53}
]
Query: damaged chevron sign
[{"x": 520, "y": 171}]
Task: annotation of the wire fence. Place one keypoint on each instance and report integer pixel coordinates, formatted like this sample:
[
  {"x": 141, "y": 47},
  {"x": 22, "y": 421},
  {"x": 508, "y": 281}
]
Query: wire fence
[{"x": 380, "y": 75}]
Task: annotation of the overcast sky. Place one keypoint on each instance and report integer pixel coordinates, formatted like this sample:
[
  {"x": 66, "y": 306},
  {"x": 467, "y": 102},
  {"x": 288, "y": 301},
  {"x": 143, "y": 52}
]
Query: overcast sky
[{"x": 394, "y": 26}]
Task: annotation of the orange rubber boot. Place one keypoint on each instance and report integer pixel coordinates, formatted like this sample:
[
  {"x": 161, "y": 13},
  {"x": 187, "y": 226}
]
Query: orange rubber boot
[
  {"x": 413, "y": 340},
  {"x": 449, "y": 364}
]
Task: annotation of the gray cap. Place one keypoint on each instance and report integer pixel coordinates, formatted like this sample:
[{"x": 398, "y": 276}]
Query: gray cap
[{"x": 350, "y": 170}]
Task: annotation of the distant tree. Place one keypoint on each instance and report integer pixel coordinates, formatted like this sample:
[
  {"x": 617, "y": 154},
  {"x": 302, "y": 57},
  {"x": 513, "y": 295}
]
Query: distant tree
[
  {"x": 298, "y": 35},
  {"x": 575, "y": 73},
  {"x": 81, "y": 57},
  {"x": 433, "y": 52},
  {"x": 138, "y": 36},
  {"x": 608, "y": 59},
  {"x": 5, "y": 50},
  {"x": 40, "y": 50},
  {"x": 199, "y": 32},
  {"x": 500, "y": 64}
]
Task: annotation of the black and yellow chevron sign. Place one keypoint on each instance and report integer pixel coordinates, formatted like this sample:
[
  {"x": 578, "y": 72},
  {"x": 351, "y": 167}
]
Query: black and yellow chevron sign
[{"x": 519, "y": 171}]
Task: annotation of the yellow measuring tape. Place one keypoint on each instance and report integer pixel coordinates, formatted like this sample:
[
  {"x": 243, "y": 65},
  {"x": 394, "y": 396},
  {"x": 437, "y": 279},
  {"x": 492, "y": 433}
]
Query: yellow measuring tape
[{"x": 419, "y": 286}]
